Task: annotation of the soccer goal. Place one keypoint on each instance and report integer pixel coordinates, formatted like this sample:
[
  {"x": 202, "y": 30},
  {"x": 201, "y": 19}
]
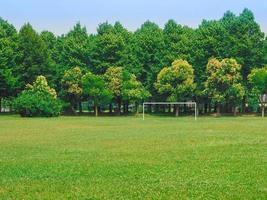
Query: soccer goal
[{"x": 190, "y": 104}]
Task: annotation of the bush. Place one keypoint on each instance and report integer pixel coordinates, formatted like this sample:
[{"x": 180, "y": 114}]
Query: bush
[{"x": 38, "y": 100}]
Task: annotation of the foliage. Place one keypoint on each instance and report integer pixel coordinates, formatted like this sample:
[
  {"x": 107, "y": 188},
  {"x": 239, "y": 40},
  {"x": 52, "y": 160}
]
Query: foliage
[
  {"x": 134, "y": 91},
  {"x": 72, "y": 86},
  {"x": 177, "y": 81},
  {"x": 8, "y": 55},
  {"x": 109, "y": 46},
  {"x": 124, "y": 86},
  {"x": 144, "y": 54},
  {"x": 38, "y": 100},
  {"x": 26, "y": 54},
  {"x": 223, "y": 84},
  {"x": 258, "y": 81},
  {"x": 94, "y": 88},
  {"x": 33, "y": 56}
]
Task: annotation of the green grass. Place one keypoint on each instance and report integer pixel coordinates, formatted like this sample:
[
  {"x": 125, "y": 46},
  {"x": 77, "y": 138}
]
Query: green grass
[{"x": 127, "y": 158}]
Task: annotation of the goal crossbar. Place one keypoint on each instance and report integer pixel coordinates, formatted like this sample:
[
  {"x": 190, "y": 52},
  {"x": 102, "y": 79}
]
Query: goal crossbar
[{"x": 170, "y": 103}]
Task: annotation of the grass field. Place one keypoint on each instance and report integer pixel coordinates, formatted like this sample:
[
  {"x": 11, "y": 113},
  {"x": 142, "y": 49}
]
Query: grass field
[{"x": 127, "y": 158}]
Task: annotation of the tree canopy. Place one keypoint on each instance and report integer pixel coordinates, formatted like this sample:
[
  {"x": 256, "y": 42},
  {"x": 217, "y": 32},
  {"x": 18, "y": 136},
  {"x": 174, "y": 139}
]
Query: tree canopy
[{"x": 131, "y": 63}]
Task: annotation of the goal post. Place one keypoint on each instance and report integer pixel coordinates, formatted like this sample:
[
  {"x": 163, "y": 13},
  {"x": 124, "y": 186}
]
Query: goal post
[{"x": 194, "y": 104}]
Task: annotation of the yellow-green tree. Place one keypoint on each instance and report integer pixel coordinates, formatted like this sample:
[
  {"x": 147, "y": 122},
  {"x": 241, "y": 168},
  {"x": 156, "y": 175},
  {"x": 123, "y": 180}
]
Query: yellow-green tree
[
  {"x": 72, "y": 89},
  {"x": 38, "y": 99},
  {"x": 114, "y": 78},
  {"x": 176, "y": 82},
  {"x": 134, "y": 91},
  {"x": 223, "y": 84}
]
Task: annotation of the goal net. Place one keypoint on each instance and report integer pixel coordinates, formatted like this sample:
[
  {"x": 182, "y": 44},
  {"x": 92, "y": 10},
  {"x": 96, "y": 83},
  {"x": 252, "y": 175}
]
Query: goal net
[{"x": 191, "y": 105}]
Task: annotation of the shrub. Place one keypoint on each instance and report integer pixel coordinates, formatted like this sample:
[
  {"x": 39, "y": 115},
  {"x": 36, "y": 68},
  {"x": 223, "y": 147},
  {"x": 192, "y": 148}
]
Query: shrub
[{"x": 38, "y": 100}]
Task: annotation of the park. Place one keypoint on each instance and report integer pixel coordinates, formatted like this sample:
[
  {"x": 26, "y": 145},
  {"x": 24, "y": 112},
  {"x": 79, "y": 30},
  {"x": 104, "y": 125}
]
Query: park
[{"x": 101, "y": 100}]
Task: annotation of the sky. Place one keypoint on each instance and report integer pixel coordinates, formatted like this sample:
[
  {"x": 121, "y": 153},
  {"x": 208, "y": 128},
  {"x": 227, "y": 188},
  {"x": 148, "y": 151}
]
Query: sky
[{"x": 59, "y": 16}]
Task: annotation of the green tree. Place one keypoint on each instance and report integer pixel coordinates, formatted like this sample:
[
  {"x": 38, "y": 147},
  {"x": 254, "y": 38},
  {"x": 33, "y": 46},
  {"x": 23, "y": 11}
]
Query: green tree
[
  {"x": 246, "y": 40},
  {"x": 74, "y": 49},
  {"x": 8, "y": 55},
  {"x": 178, "y": 42},
  {"x": 258, "y": 80},
  {"x": 33, "y": 59},
  {"x": 94, "y": 88},
  {"x": 72, "y": 87},
  {"x": 223, "y": 84},
  {"x": 109, "y": 46},
  {"x": 177, "y": 82},
  {"x": 144, "y": 54}
]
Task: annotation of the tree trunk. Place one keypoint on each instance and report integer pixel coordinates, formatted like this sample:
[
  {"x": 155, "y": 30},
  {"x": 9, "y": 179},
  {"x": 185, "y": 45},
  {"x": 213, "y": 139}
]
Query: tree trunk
[
  {"x": 124, "y": 108},
  {"x": 119, "y": 107},
  {"x": 262, "y": 110},
  {"x": 209, "y": 107},
  {"x": 243, "y": 107},
  {"x": 96, "y": 110},
  {"x": 176, "y": 111},
  {"x": 127, "y": 107},
  {"x": 205, "y": 108},
  {"x": 110, "y": 108},
  {"x": 136, "y": 108},
  {"x": 80, "y": 107},
  {"x": 218, "y": 109},
  {"x": 0, "y": 105},
  {"x": 235, "y": 110},
  {"x": 149, "y": 108}
]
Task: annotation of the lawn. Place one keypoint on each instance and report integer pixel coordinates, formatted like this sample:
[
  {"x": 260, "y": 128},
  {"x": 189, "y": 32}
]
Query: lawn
[{"x": 127, "y": 158}]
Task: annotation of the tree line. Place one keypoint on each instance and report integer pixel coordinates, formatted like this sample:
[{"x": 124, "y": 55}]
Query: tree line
[{"x": 220, "y": 64}]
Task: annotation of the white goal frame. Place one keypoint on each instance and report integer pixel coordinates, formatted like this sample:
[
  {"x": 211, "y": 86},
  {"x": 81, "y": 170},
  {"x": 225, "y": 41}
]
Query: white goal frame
[{"x": 170, "y": 103}]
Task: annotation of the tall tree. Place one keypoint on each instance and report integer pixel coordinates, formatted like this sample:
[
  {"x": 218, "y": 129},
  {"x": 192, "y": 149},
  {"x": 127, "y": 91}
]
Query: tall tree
[
  {"x": 74, "y": 49},
  {"x": 109, "y": 46},
  {"x": 246, "y": 40},
  {"x": 145, "y": 52},
  {"x": 8, "y": 55},
  {"x": 178, "y": 42},
  {"x": 33, "y": 59}
]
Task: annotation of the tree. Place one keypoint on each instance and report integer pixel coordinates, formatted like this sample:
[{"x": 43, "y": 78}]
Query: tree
[
  {"x": 8, "y": 56},
  {"x": 144, "y": 54},
  {"x": 134, "y": 91},
  {"x": 177, "y": 82},
  {"x": 72, "y": 88},
  {"x": 38, "y": 100},
  {"x": 33, "y": 59},
  {"x": 114, "y": 78},
  {"x": 246, "y": 40},
  {"x": 74, "y": 49},
  {"x": 94, "y": 88},
  {"x": 258, "y": 80},
  {"x": 178, "y": 42},
  {"x": 223, "y": 84},
  {"x": 57, "y": 71},
  {"x": 109, "y": 46}
]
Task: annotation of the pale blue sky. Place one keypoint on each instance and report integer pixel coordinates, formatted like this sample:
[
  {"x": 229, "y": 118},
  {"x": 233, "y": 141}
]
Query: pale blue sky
[{"x": 59, "y": 16}]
